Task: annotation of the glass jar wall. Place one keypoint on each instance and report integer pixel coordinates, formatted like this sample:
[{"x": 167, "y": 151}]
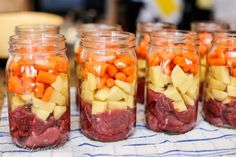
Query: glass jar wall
[
  {"x": 142, "y": 40},
  {"x": 204, "y": 31},
  {"x": 219, "y": 106},
  {"x": 80, "y": 30},
  {"x": 108, "y": 85},
  {"x": 38, "y": 90},
  {"x": 172, "y": 81}
]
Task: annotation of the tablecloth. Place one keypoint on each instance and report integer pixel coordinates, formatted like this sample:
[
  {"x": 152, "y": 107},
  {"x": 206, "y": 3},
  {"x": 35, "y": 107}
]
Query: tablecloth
[{"x": 203, "y": 140}]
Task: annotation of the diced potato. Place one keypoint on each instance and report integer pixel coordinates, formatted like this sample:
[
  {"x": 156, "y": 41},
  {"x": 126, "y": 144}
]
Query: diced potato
[
  {"x": 141, "y": 73},
  {"x": 227, "y": 100},
  {"x": 220, "y": 73},
  {"x": 102, "y": 94},
  {"x": 49, "y": 107},
  {"x": 203, "y": 73},
  {"x": 208, "y": 94},
  {"x": 178, "y": 77},
  {"x": 141, "y": 63},
  {"x": 61, "y": 84},
  {"x": 231, "y": 91},
  {"x": 117, "y": 94},
  {"x": 98, "y": 106},
  {"x": 203, "y": 61},
  {"x": 92, "y": 81},
  {"x": 117, "y": 105},
  {"x": 172, "y": 93},
  {"x": 16, "y": 102},
  {"x": 179, "y": 106},
  {"x": 40, "y": 113},
  {"x": 87, "y": 96},
  {"x": 156, "y": 76},
  {"x": 27, "y": 97},
  {"x": 59, "y": 111},
  {"x": 130, "y": 101},
  {"x": 166, "y": 79},
  {"x": 215, "y": 84},
  {"x": 188, "y": 100},
  {"x": 58, "y": 98},
  {"x": 155, "y": 89},
  {"x": 124, "y": 86},
  {"x": 219, "y": 95},
  {"x": 187, "y": 84},
  {"x": 193, "y": 90},
  {"x": 233, "y": 81}
]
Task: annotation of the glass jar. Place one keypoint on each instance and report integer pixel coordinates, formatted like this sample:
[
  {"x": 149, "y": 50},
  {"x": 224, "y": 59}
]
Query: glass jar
[
  {"x": 142, "y": 40},
  {"x": 77, "y": 49},
  {"x": 38, "y": 90},
  {"x": 172, "y": 81},
  {"x": 108, "y": 85},
  {"x": 204, "y": 31},
  {"x": 219, "y": 107}
]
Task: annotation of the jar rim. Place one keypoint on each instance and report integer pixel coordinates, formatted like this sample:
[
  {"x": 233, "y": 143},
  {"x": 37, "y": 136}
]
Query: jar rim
[
  {"x": 37, "y": 28},
  {"x": 89, "y": 27},
  {"x": 148, "y": 27},
  {"x": 209, "y": 26},
  {"x": 179, "y": 34},
  {"x": 57, "y": 41}
]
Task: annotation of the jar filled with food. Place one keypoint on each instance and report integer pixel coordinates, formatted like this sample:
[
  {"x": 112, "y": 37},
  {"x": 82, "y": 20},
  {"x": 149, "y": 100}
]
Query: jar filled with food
[
  {"x": 38, "y": 90},
  {"x": 204, "y": 31},
  {"x": 142, "y": 40},
  {"x": 108, "y": 85},
  {"x": 219, "y": 107},
  {"x": 77, "y": 49},
  {"x": 172, "y": 81}
]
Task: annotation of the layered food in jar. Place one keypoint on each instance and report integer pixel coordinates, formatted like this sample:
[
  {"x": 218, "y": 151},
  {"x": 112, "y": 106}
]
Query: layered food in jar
[
  {"x": 108, "y": 86},
  {"x": 38, "y": 91},
  {"x": 219, "y": 106},
  {"x": 172, "y": 82},
  {"x": 142, "y": 40},
  {"x": 77, "y": 49},
  {"x": 204, "y": 31}
]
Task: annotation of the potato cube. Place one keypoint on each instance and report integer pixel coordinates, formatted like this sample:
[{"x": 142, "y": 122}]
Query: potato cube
[
  {"x": 130, "y": 101},
  {"x": 102, "y": 94},
  {"x": 231, "y": 91},
  {"x": 117, "y": 105},
  {"x": 141, "y": 63},
  {"x": 233, "y": 81},
  {"x": 58, "y": 98},
  {"x": 141, "y": 73},
  {"x": 172, "y": 93},
  {"x": 178, "y": 77},
  {"x": 215, "y": 84},
  {"x": 98, "y": 106},
  {"x": 188, "y": 100},
  {"x": 156, "y": 76},
  {"x": 43, "y": 105},
  {"x": 219, "y": 95},
  {"x": 87, "y": 96},
  {"x": 124, "y": 86},
  {"x": 117, "y": 94},
  {"x": 220, "y": 73},
  {"x": 92, "y": 81},
  {"x": 16, "y": 102},
  {"x": 155, "y": 89},
  {"x": 179, "y": 106},
  {"x": 59, "y": 111},
  {"x": 27, "y": 97},
  {"x": 40, "y": 113}
]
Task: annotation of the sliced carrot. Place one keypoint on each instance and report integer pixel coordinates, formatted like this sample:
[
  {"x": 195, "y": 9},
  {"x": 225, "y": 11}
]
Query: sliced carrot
[
  {"x": 15, "y": 85},
  {"x": 120, "y": 76},
  {"x": 141, "y": 51},
  {"x": 45, "y": 65},
  {"x": 39, "y": 90},
  {"x": 231, "y": 62},
  {"x": 15, "y": 67},
  {"x": 154, "y": 59},
  {"x": 202, "y": 49},
  {"x": 61, "y": 63},
  {"x": 47, "y": 94},
  {"x": 124, "y": 61},
  {"x": 179, "y": 61},
  {"x": 110, "y": 82},
  {"x": 129, "y": 70},
  {"x": 28, "y": 82},
  {"x": 111, "y": 70},
  {"x": 102, "y": 82},
  {"x": 234, "y": 72},
  {"x": 191, "y": 56},
  {"x": 45, "y": 77},
  {"x": 217, "y": 61},
  {"x": 194, "y": 69},
  {"x": 97, "y": 68},
  {"x": 220, "y": 53},
  {"x": 130, "y": 78}
]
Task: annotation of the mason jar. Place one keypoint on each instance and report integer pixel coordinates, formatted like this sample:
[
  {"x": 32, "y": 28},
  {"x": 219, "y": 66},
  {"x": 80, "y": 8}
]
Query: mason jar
[
  {"x": 172, "y": 81},
  {"x": 77, "y": 48},
  {"x": 108, "y": 85},
  {"x": 30, "y": 29},
  {"x": 142, "y": 40},
  {"x": 219, "y": 106},
  {"x": 38, "y": 90},
  {"x": 204, "y": 31}
]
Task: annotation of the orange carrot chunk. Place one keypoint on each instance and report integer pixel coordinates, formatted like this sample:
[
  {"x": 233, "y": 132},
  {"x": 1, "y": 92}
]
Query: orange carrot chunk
[
  {"x": 129, "y": 70},
  {"x": 217, "y": 61},
  {"x": 97, "y": 68},
  {"x": 234, "y": 72},
  {"x": 124, "y": 61},
  {"x": 47, "y": 94},
  {"x": 45, "y": 77},
  {"x": 111, "y": 70},
  {"x": 120, "y": 76},
  {"x": 110, "y": 82},
  {"x": 39, "y": 90},
  {"x": 101, "y": 83},
  {"x": 15, "y": 85}
]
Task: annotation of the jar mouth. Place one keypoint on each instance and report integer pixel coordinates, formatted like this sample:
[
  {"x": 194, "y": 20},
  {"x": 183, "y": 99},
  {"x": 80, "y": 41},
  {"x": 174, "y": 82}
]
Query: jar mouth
[
  {"x": 108, "y": 40},
  {"x": 89, "y": 27},
  {"x": 37, "y": 44},
  {"x": 36, "y": 28},
  {"x": 148, "y": 27},
  {"x": 209, "y": 26},
  {"x": 225, "y": 38},
  {"x": 174, "y": 35}
]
